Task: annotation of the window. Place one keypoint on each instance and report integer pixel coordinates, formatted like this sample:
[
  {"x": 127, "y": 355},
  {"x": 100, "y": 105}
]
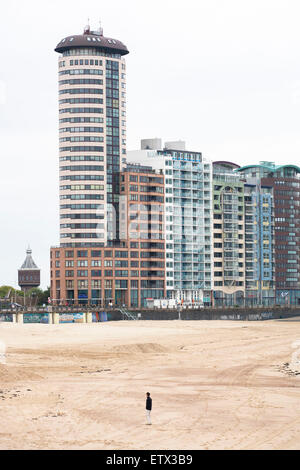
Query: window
[
  {"x": 82, "y": 273},
  {"x": 96, "y": 273},
  {"x": 82, "y": 254},
  {"x": 121, "y": 284},
  {"x": 133, "y": 178},
  {"x": 96, "y": 254},
  {"x": 95, "y": 263},
  {"x": 121, "y": 273},
  {"x": 121, "y": 254},
  {"x": 121, "y": 263},
  {"x": 82, "y": 263},
  {"x": 82, "y": 284}
]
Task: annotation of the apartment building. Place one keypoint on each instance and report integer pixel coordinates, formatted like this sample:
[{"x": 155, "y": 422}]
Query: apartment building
[
  {"x": 127, "y": 271},
  {"x": 284, "y": 181},
  {"x": 188, "y": 218},
  {"x": 228, "y": 244}
]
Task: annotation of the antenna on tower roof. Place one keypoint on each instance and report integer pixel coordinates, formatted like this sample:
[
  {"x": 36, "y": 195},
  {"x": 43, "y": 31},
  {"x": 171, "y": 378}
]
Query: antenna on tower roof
[
  {"x": 100, "y": 28},
  {"x": 87, "y": 27}
]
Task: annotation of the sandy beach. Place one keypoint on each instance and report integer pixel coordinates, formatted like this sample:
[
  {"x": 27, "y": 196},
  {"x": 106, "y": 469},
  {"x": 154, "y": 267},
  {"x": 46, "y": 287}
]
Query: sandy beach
[{"x": 214, "y": 384}]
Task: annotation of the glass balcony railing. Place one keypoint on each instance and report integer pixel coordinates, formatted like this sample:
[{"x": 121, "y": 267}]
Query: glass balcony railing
[
  {"x": 229, "y": 236},
  {"x": 231, "y": 257},
  {"x": 230, "y": 246},
  {"x": 231, "y": 265},
  {"x": 233, "y": 277},
  {"x": 233, "y": 229},
  {"x": 187, "y": 285}
]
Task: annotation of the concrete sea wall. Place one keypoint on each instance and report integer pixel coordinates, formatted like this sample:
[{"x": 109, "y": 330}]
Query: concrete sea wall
[
  {"x": 237, "y": 314},
  {"x": 243, "y": 314}
]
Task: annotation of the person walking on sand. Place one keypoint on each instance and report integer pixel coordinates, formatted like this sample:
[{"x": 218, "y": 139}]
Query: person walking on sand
[{"x": 148, "y": 407}]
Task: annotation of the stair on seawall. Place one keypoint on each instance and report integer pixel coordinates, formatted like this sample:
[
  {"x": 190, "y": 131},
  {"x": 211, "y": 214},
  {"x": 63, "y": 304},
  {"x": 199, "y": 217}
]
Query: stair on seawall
[{"x": 129, "y": 315}]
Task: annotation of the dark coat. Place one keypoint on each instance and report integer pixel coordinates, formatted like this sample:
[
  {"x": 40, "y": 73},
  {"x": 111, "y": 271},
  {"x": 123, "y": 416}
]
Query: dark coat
[{"x": 148, "y": 403}]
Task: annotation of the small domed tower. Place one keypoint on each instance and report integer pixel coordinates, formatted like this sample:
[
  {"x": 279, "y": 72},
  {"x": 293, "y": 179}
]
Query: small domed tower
[{"x": 29, "y": 273}]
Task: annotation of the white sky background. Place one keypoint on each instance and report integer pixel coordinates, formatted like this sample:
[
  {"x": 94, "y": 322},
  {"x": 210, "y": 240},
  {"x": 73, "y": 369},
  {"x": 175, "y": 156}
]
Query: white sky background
[{"x": 223, "y": 75}]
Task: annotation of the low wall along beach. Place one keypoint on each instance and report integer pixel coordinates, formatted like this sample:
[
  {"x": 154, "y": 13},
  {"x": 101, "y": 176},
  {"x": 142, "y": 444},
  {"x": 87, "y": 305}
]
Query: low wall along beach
[{"x": 240, "y": 314}]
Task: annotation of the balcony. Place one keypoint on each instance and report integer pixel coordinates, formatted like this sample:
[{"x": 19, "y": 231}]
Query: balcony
[
  {"x": 230, "y": 265},
  {"x": 230, "y": 246},
  {"x": 231, "y": 276},
  {"x": 230, "y": 237}
]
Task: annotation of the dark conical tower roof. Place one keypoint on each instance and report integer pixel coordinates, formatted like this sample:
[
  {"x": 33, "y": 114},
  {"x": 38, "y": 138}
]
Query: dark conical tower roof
[{"x": 29, "y": 263}]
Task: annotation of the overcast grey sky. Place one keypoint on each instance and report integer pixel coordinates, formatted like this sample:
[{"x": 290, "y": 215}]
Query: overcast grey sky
[{"x": 224, "y": 75}]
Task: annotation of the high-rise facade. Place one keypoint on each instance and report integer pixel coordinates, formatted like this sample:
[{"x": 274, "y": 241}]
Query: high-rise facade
[
  {"x": 259, "y": 244},
  {"x": 232, "y": 234},
  {"x": 142, "y": 197},
  {"x": 188, "y": 221},
  {"x": 228, "y": 236},
  {"x": 161, "y": 221},
  {"x": 92, "y": 136},
  {"x": 94, "y": 263},
  {"x": 243, "y": 238},
  {"x": 284, "y": 264},
  {"x": 129, "y": 271},
  {"x": 188, "y": 225}
]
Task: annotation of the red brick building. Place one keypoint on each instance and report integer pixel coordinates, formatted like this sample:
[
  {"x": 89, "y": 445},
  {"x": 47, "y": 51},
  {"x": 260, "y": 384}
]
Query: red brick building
[{"x": 127, "y": 271}]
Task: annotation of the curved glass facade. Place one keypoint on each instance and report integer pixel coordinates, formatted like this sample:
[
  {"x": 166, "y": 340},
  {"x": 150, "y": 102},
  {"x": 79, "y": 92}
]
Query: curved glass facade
[{"x": 111, "y": 134}]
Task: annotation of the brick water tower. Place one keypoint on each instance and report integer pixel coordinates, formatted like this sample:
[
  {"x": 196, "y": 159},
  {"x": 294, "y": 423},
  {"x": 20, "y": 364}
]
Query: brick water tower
[{"x": 29, "y": 273}]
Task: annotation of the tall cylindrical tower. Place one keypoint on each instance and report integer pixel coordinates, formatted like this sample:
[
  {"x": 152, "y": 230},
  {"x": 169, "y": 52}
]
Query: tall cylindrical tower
[{"x": 92, "y": 136}]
